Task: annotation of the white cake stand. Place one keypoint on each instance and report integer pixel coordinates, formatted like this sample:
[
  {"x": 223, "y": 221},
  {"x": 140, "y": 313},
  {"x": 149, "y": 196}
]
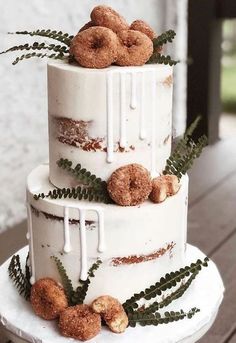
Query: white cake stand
[{"x": 21, "y": 324}]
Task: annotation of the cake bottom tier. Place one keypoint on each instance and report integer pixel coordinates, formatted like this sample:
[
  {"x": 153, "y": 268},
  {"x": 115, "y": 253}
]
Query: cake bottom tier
[
  {"x": 137, "y": 245},
  {"x": 20, "y": 324}
]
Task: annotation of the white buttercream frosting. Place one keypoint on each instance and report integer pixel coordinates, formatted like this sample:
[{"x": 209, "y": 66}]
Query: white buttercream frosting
[{"x": 127, "y": 110}]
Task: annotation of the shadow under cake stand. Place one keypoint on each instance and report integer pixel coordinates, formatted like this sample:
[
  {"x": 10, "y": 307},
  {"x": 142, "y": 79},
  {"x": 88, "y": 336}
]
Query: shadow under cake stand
[{"x": 19, "y": 323}]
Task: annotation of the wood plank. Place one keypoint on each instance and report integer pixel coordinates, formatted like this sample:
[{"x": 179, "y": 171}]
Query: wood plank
[
  {"x": 225, "y": 324},
  {"x": 233, "y": 339},
  {"x": 215, "y": 165},
  {"x": 212, "y": 219},
  {"x": 12, "y": 240}
]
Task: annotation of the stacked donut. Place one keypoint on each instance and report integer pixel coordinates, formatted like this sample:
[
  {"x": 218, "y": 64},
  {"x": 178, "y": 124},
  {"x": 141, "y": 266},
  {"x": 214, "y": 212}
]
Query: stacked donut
[{"x": 108, "y": 39}]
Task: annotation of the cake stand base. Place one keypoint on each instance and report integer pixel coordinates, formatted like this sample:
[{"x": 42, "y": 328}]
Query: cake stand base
[{"x": 19, "y": 324}]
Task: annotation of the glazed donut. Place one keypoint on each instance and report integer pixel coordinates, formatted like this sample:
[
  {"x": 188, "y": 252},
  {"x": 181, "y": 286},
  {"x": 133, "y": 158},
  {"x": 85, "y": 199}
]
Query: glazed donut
[
  {"x": 130, "y": 185},
  {"x": 48, "y": 299},
  {"x": 96, "y": 47},
  {"x": 135, "y": 48},
  {"x": 87, "y": 26},
  {"x": 107, "y": 17},
  {"x": 80, "y": 322},
  {"x": 142, "y": 26},
  {"x": 112, "y": 312}
]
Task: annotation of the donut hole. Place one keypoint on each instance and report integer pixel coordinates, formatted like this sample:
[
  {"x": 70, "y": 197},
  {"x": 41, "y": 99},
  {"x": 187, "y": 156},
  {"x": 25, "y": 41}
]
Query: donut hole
[{"x": 98, "y": 43}]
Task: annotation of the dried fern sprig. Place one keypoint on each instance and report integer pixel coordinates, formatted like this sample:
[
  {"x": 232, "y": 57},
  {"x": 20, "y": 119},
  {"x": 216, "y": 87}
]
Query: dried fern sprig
[
  {"x": 156, "y": 318},
  {"x": 81, "y": 291},
  {"x": 38, "y": 46},
  {"x": 52, "y": 34},
  {"x": 164, "y": 38},
  {"x": 59, "y": 56},
  {"x": 66, "y": 282},
  {"x": 80, "y": 193},
  {"x": 161, "y": 59},
  {"x": 18, "y": 277},
  {"x": 167, "y": 282}
]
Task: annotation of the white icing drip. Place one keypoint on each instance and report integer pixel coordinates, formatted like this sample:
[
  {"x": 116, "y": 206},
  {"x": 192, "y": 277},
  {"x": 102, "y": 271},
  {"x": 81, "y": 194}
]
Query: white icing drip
[
  {"x": 28, "y": 236},
  {"x": 153, "y": 128},
  {"x": 110, "y": 138},
  {"x": 133, "y": 103},
  {"x": 67, "y": 243},
  {"x": 101, "y": 231},
  {"x": 143, "y": 133},
  {"x": 83, "y": 246},
  {"x": 31, "y": 243},
  {"x": 123, "y": 117}
]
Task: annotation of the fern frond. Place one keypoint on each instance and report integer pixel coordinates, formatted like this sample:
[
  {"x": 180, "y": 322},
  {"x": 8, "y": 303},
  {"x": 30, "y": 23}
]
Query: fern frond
[
  {"x": 38, "y": 46},
  {"x": 185, "y": 152},
  {"x": 59, "y": 56},
  {"x": 80, "y": 193},
  {"x": 167, "y": 282},
  {"x": 66, "y": 282},
  {"x": 156, "y": 319},
  {"x": 173, "y": 296},
  {"x": 161, "y": 59},
  {"x": 52, "y": 34},
  {"x": 164, "y": 38},
  {"x": 81, "y": 291},
  {"x": 18, "y": 277},
  {"x": 27, "y": 277}
]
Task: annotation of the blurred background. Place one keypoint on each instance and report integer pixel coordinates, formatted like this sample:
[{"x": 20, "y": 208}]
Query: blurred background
[{"x": 205, "y": 83}]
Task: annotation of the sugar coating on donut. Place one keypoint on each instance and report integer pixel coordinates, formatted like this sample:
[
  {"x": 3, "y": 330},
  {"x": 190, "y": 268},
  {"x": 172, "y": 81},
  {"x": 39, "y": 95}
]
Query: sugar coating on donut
[
  {"x": 135, "y": 49},
  {"x": 112, "y": 312},
  {"x": 96, "y": 47},
  {"x": 48, "y": 299},
  {"x": 130, "y": 185},
  {"x": 164, "y": 186},
  {"x": 80, "y": 322},
  {"x": 107, "y": 17},
  {"x": 142, "y": 26},
  {"x": 87, "y": 26}
]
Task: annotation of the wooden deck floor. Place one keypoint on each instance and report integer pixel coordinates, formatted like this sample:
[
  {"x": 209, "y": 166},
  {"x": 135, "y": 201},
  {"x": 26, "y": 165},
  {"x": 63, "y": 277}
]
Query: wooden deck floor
[{"x": 211, "y": 227}]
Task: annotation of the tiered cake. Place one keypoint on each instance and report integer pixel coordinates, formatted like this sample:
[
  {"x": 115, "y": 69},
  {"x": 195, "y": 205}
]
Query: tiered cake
[
  {"x": 107, "y": 217},
  {"x": 105, "y": 119}
]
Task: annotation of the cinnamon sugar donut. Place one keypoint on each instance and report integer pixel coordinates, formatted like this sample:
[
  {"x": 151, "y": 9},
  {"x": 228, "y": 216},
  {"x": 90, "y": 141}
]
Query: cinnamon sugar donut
[
  {"x": 107, "y": 17},
  {"x": 96, "y": 47},
  {"x": 135, "y": 48},
  {"x": 142, "y": 26},
  {"x": 80, "y": 322},
  {"x": 48, "y": 299},
  {"x": 87, "y": 26},
  {"x": 130, "y": 185}
]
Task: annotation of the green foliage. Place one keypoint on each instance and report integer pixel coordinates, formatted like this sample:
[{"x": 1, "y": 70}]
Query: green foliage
[
  {"x": 156, "y": 319},
  {"x": 38, "y": 46},
  {"x": 161, "y": 59},
  {"x": 186, "y": 151},
  {"x": 81, "y": 291},
  {"x": 66, "y": 282},
  {"x": 91, "y": 188},
  {"x": 77, "y": 296},
  {"x": 64, "y": 38},
  {"x": 165, "y": 283},
  {"x": 157, "y": 57},
  {"x": 20, "y": 280},
  {"x": 164, "y": 38},
  {"x": 54, "y": 56}
]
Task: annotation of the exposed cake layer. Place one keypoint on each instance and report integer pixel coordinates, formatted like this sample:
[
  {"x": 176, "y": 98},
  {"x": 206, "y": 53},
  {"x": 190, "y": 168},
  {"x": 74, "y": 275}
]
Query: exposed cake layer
[
  {"x": 110, "y": 117},
  {"x": 131, "y": 241}
]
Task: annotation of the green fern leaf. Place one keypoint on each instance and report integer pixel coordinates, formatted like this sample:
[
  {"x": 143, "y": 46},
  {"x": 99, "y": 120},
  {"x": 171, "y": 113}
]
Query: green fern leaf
[
  {"x": 54, "y": 56},
  {"x": 166, "y": 37},
  {"x": 66, "y": 282},
  {"x": 38, "y": 46},
  {"x": 167, "y": 282},
  {"x": 52, "y": 34},
  {"x": 19, "y": 279},
  {"x": 161, "y": 59}
]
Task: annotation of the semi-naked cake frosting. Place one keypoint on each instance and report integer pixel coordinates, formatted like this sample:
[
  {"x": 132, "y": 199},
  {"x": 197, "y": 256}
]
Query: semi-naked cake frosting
[
  {"x": 107, "y": 216},
  {"x": 125, "y": 113}
]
